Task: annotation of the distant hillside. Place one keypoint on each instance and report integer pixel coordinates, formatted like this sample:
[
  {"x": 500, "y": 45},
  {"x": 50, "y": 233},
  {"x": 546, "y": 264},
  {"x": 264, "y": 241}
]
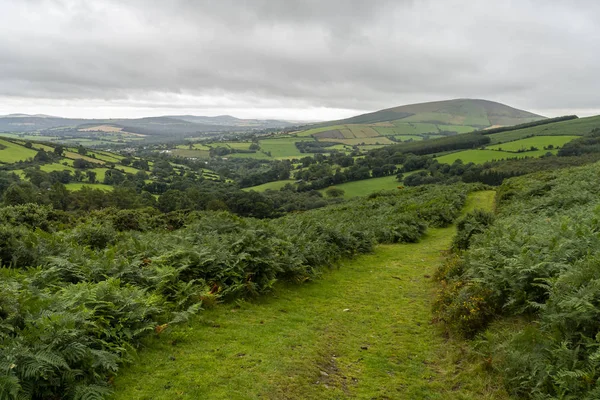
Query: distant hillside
[
  {"x": 167, "y": 127},
  {"x": 228, "y": 120},
  {"x": 420, "y": 121}
]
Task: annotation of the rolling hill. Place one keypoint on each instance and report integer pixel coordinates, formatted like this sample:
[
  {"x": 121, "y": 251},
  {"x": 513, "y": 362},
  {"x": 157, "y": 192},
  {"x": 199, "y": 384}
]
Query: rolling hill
[
  {"x": 164, "y": 128},
  {"x": 419, "y": 121}
]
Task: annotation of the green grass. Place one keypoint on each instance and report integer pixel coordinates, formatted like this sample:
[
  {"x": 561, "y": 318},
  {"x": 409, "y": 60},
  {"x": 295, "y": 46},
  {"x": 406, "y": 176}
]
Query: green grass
[
  {"x": 435, "y": 117},
  {"x": 367, "y": 186},
  {"x": 190, "y": 153},
  {"x": 358, "y": 141},
  {"x": 537, "y": 141},
  {"x": 276, "y": 185},
  {"x": 482, "y": 156},
  {"x": 282, "y": 148},
  {"x": 78, "y": 186},
  {"x": 100, "y": 173},
  {"x": 362, "y": 331},
  {"x": 259, "y": 155},
  {"x": 104, "y": 156},
  {"x": 74, "y": 156},
  {"x": 310, "y": 132},
  {"x": 14, "y": 152},
  {"x": 362, "y": 131},
  {"x": 239, "y": 145},
  {"x": 56, "y": 167},
  {"x": 456, "y": 128},
  {"x": 576, "y": 127},
  {"x": 405, "y": 138}
]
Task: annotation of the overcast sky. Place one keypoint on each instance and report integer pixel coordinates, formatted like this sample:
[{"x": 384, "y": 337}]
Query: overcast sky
[{"x": 294, "y": 59}]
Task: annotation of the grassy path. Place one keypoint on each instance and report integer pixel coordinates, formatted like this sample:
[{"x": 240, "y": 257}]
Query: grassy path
[{"x": 363, "y": 331}]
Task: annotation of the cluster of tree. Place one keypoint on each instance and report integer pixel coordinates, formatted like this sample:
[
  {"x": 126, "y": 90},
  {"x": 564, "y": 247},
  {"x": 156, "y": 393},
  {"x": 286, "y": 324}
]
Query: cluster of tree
[
  {"x": 129, "y": 192},
  {"x": 589, "y": 143},
  {"x": 277, "y": 170}
]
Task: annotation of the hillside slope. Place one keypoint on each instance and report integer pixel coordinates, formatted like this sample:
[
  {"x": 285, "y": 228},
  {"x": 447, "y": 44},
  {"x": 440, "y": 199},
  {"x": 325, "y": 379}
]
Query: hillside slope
[{"x": 420, "y": 121}]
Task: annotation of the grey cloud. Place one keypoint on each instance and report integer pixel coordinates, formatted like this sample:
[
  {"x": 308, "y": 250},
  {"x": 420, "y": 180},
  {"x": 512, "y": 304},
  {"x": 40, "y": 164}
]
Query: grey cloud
[{"x": 346, "y": 54}]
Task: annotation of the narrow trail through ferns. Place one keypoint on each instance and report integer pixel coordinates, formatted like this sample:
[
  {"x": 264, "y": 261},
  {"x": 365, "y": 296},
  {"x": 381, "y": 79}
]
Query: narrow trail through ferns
[{"x": 362, "y": 331}]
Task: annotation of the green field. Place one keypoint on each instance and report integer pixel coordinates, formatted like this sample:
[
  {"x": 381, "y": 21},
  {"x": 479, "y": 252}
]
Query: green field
[
  {"x": 14, "y": 152},
  {"x": 367, "y": 186},
  {"x": 456, "y": 128},
  {"x": 270, "y": 185},
  {"x": 259, "y": 155},
  {"x": 78, "y": 186},
  {"x": 537, "y": 141},
  {"x": 358, "y": 141},
  {"x": 576, "y": 127},
  {"x": 239, "y": 145},
  {"x": 311, "y": 132},
  {"x": 108, "y": 157},
  {"x": 56, "y": 167},
  {"x": 283, "y": 148},
  {"x": 485, "y": 155},
  {"x": 405, "y": 138},
  {"x": 74, "y": 156},
  {"x": 184, "y": 152}
]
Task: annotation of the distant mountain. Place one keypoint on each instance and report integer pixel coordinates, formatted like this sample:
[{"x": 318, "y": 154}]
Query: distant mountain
[
  {"x": 27, "y": 116},
  {"x": 167, "y": 127},
  {"x": 419, "y": 121},
  {"x": 466, "y": 112},
  {"x": 228, "y": 120}
]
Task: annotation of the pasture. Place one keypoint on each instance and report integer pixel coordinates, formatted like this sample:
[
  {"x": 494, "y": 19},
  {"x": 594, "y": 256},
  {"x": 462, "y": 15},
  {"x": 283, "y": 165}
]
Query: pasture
[
  {"x": 283, "y": 148},
  {"x": 574, "y": 127},
  {"x": 367, "y": 186},
  {"x": 276, "y": 185},
  {"x": 361, "y": 141},
  {"x": 56, "y": 167},
  {"x": 14, "y": 152},
  {"x": 485, "y": 155},
  {"x": 407, "y": 138},
  {"x": 540, "y": 142},
  {"x": 79, "y": 186}
]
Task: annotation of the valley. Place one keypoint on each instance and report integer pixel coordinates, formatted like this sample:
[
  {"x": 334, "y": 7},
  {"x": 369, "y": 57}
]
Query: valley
[{"x": 288, "y": 265}]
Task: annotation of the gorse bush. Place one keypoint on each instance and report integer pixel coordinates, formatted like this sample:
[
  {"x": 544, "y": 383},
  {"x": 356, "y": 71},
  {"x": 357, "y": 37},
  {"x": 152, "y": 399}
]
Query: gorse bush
[
  {"x": 538, "y": 261},
  {"x": 474, "y": 223},
  {"x": 75, "y": 303}
]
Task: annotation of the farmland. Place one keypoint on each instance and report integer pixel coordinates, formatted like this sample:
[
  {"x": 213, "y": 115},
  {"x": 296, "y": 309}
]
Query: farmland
[
  {"x": 11, "y": 153},
  {"x": 276, "y": 185},
  {"x": 79, "y": 186},
  {"x": 539, "y": 142},
  {"x": 575, "y": 127},
  {"x": 367, "y": 186},
  {"x": 485, "y": 155}
]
